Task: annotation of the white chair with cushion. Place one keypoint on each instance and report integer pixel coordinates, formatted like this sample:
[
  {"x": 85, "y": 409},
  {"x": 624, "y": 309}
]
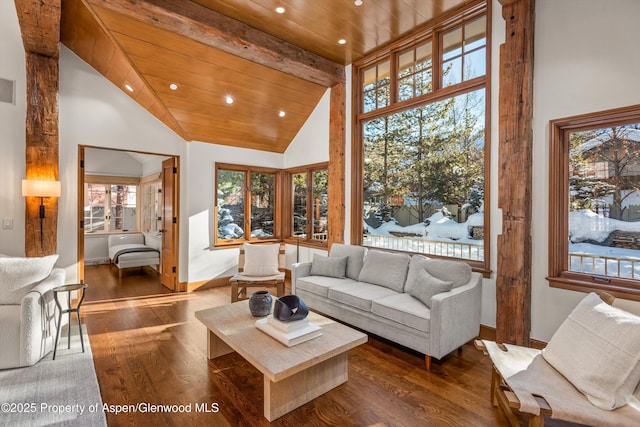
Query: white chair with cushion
[
  {"x": 259, "y": 265},
  {"x": 589, "y": 373},
  {"x": 27, "y": 309}
]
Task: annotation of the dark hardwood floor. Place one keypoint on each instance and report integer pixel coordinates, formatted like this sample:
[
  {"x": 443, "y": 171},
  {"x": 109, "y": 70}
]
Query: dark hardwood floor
[{"x": 148, "y": 348}]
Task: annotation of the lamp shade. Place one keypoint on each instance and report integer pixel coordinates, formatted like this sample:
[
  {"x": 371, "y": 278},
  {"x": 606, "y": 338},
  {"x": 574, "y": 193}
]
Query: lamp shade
[{"x": 37, "y": 188}]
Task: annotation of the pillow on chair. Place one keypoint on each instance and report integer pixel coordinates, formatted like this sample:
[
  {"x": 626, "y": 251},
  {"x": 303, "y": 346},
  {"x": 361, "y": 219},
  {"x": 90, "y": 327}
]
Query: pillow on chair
[
  {"x": 19, "y": 275},
  {"x": 597, "y": 348},
  {"x": 261, "y": 260}
]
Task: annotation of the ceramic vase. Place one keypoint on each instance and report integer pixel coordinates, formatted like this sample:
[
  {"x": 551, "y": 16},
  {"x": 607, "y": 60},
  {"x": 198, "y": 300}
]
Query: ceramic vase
[{"x": 260, "y": 303}]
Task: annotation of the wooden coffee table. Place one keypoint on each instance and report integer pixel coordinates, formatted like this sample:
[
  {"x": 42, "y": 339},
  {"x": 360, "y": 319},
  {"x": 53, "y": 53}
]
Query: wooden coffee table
[{"x": 294, "y": 375}]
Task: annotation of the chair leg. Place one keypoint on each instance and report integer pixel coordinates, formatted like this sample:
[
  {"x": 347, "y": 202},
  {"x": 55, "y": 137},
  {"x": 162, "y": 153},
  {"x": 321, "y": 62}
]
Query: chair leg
[
  {"x": 55, "y": 343},
  {"x": 280, "y": 289},
  {"x": 69, "y": 328},
  {"x": 427, "y": 361},
  {"x": 234, "y": 291},
  {"x": 80, "y": 330}
]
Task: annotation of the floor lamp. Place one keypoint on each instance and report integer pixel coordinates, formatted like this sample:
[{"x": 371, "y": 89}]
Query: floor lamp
[{"x": 42, "y": 189}]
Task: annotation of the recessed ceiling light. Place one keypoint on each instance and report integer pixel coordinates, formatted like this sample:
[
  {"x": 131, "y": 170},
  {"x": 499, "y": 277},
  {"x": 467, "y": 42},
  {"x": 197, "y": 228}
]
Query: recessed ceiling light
[
  {"x": 129, "y": 88},
  {"x": 280, "y": 9},
  {"x": 358, "y": 2},
  {"x": 228, "y": 100},
  {"x": 282, "y": 113},
  {"x": 342, "y": 41},
  {"x": 173, "y": 86}
]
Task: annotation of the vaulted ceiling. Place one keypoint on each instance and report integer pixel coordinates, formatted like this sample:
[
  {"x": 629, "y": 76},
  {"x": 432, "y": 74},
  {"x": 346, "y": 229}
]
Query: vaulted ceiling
[{"x": 182, "y": 59}]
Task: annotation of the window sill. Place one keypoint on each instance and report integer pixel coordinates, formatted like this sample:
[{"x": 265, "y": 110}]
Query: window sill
[
  {"x": 306, "y": 243},
  {"x": 618, "y": 290}
]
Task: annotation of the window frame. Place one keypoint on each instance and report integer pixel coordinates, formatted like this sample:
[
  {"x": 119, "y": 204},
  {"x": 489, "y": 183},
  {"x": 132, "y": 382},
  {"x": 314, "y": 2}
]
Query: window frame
[
  {"x": 151, "y": 203},
  {"x": 559, "y": 274},
  {"x": 288, "y": 205},
  {"x": 435, "y": 32},
  {"x": 108, "y": 181},
  {"x": 277, "y": 214}
]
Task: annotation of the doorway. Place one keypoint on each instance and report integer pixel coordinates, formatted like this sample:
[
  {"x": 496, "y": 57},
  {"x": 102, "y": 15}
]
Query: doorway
[{"x": 128, "y": 192}]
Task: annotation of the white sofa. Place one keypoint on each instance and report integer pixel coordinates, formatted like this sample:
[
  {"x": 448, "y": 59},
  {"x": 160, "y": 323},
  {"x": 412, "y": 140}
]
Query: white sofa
[
  {"x": 387, "y": 294},
  {"x": 27, "y": 309}
]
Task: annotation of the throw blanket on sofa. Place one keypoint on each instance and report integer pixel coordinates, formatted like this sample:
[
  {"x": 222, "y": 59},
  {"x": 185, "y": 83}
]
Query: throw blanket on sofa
[{"x": 132, "y": 249}]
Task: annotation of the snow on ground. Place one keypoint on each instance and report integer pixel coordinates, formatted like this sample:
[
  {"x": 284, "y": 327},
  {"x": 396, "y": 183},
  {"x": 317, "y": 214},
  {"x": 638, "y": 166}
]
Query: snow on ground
[
  {"x": 444, "y": 236},
  {"x": 440, "y": 228},
  {"x": 588, "y": 225}
]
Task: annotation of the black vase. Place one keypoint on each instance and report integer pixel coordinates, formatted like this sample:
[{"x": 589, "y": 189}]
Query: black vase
[{"x": 260, "y": 303}]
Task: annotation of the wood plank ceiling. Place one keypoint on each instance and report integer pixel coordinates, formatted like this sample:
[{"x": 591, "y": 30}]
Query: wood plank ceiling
[{"x": 276, "y": 62}]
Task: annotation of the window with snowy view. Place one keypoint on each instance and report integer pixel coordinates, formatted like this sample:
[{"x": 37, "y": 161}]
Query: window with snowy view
[
  {"x": 423, "y": 151},
  {"x": 238, "y": 220},
  {"x": 597, "y": 159}
]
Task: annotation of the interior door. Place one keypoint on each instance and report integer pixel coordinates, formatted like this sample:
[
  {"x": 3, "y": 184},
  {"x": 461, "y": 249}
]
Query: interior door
[
  {"x": 81, "y": 214},
  {"x": 169, "y": 275}
]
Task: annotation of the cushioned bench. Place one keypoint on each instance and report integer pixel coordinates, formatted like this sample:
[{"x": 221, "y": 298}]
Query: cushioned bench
[{"x": 130, "y": 250}]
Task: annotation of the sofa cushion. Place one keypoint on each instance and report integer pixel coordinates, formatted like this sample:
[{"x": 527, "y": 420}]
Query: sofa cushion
[
  {"x": 319, "y": 285},
  {"x": 355, "y": 255},
  {"x": 597, "y": 348},
  {"x": 359, "y": 295},
  {"x": 426, "y": 286},
  {"x": 261, "y": 260},
  {"x": 19, "y": 275},
  {"x": 403, "y": 309},
  {"x": 456, "y": 272},
  {"x": 385, "y": 269},
  {"x": 335, "y": 266}
]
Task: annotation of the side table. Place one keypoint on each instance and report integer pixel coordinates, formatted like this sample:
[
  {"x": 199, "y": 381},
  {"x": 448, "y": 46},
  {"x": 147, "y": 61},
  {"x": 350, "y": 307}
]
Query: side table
[{"x": 81, "y": 288}]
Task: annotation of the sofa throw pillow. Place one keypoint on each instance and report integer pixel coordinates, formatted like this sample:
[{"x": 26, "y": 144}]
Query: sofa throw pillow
[
  {"x": 261, "y": 260},
  {"x": 19, "y": 275},
  {"x": 415, "y": 266},
  {"x": 426, "y": 286},
  {"x": 385, "y": 269},
  {"x": 329, "y": 266},
  {"x": 456, "y": 272},
  {"x": 597, "y": 348},
  {"x": 355, "y": 257}
]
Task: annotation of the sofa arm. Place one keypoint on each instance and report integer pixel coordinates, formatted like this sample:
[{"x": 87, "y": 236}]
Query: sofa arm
[
  {"x": 38, "y": 317},
  {"x": 455, "y": 317},
  {"x": 299, "y": 269}
]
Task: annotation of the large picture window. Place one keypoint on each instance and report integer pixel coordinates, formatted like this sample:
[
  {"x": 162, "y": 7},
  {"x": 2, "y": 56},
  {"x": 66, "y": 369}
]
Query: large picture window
[
  {"x": 246, "y": 203},
  {"x": 595, "y": 202},
  {"x": 421, "y": 162}
]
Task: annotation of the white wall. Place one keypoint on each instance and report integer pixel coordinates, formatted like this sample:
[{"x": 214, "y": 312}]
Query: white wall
[
  {"x": 206, "y": 262},
  {"x": 12, "y": 133},
  {"x": 94, "y": 112},
  {"x": 110, "y": 162},
  {"x": 311, "y": 144},
  {"x": 585, "y": 61}
]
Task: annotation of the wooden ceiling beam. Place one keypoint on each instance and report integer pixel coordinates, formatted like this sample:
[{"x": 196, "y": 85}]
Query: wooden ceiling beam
[
  {"x": 214, "y": 29},
  {"x": 40, "y": 26}
]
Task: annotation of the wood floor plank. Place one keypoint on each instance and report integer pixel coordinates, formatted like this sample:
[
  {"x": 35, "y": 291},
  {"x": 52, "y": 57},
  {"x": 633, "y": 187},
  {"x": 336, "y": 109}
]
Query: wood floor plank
[{"x": 149, "y": 348}]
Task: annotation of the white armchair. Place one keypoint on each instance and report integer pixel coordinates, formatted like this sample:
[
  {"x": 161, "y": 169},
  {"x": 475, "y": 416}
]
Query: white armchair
[{"x": 27, "y": 310}]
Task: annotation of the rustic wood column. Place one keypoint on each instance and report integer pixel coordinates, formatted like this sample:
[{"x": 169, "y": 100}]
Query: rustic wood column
[
  {"x": 337, "y": 119},
  {"x": 40, "y": 28},
  {"x": 513, "y": 281}
]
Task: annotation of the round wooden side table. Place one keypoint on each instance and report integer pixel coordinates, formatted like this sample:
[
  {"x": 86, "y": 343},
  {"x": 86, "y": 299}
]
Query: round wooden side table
[{"x": 81, "y": 288}]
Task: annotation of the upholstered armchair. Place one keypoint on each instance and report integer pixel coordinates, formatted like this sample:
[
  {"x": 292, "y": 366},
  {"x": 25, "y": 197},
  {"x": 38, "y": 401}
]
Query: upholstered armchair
[{"x": 27, "y": 309}]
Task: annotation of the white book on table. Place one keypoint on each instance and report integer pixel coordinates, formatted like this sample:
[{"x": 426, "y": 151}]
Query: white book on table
[
  {"x": 292, "y": 338},
  {"x": 287, "y": 327}
]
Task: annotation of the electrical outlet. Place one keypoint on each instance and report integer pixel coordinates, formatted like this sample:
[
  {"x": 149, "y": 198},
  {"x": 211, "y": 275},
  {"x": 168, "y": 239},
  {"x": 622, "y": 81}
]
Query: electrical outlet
[{"x": 7, "y": 223}]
